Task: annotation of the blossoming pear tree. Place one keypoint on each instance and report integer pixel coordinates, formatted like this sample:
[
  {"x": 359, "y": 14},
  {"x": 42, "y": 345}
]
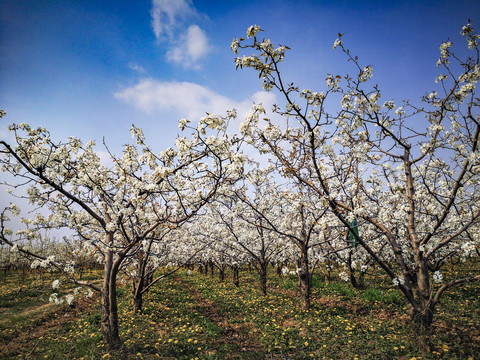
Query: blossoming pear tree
[
  {"x": 408, "y": 173},
  {"x": 114, "y": 210},
  {"x": 207, "y": 232},
  {"x": 287, "y": 213},
  {"x": 170, "y": 249},
  {"x": 247, "y": 237}
]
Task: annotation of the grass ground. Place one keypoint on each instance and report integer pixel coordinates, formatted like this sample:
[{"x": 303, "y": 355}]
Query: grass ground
[{"x": 193, "y": 316}]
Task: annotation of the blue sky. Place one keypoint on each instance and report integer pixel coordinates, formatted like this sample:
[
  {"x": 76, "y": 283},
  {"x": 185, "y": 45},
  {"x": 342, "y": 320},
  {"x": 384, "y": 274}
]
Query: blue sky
[{"x": 92, "y": 68}]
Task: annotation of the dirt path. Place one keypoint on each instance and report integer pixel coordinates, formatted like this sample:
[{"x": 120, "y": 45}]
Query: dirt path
[
  {"x": 241, "y": 335},
  {"x": 26, "y": 340}
]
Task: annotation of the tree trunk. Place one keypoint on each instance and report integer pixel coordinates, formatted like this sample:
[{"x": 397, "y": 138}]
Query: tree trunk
[
  {"x": 23, "y": 276},
  {"x": 139, "y": 282},
  {"x": 212, "y": 266},
  {"x": 328, "y": 271},
  {"x": 304, "y": 280},
  {"x": 109, "y": 320},
  {"x": 422, "y": 313},
  {"x": 263, "y": 278},
  {"x": 138, "y": 295},
  {"x": 221, "y": 273},
  {"x": 236, "y": 278},
  {"x": 137, "y": 303},
  {"x": 353, "y": 280}
]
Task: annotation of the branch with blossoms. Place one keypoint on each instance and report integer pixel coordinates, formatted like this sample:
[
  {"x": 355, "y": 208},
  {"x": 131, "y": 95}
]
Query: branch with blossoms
[{"x": 45, "y": 261}]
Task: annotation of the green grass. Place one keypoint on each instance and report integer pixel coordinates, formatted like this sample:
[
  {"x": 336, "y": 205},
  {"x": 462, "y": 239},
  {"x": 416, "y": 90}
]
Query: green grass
[
  {"x": 196, "y": 317},
  {"x": 21, "y": 305}
]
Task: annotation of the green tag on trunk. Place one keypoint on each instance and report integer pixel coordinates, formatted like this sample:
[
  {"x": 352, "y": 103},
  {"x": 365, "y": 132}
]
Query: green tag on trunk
[{"x": 352, "y": 237}]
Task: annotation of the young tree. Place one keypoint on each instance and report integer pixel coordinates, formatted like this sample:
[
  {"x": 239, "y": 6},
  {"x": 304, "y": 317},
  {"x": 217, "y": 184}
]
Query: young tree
[
  {"x": 288, "y": 215},
  {"x": 409, "y": 173},
  {"x": 247, "y": 235},
  {"x": 172, "y": 247}
]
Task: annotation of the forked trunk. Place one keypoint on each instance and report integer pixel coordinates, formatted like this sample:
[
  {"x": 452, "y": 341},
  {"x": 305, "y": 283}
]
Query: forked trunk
[{"x": 421, "y": 310}]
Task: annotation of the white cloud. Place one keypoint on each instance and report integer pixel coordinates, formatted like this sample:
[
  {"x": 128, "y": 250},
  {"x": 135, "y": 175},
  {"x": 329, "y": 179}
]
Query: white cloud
[
  {"x": 167, "y": 15},
  {"x": 187, "y": 43},
  {"x": 137, "y": 68},
  {"x": 192, "y": 47},
  {"x": 187, "y": 99},
  {"x": 267, "y": 99}
]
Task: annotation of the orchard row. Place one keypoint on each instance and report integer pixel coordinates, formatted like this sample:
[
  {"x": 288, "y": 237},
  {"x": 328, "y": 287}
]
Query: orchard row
[{"x": 326, "y": 179}]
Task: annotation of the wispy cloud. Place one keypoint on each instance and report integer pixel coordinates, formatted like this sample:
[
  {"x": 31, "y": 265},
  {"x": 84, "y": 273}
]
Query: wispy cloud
[
  {"x": 168, "y": 15},
  {"x": 192, "y": 47},
  {"x": 172, "y": 24},
  {"x": 186, "y": 99},
  {"x": 138, "y": 68}
]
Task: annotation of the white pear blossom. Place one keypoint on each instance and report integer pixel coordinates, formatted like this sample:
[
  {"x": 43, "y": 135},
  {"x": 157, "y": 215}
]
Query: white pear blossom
[
  {"x": 182, "y": 123},
  {"x": 253, "y": 30},
  {"x": 399, "y": 280},
  {"x": 56, "y": 284},
  {"x": 437, "y": 277},
  {"x": 344, "y": 276},
  {"x": 69, "y": 298}
]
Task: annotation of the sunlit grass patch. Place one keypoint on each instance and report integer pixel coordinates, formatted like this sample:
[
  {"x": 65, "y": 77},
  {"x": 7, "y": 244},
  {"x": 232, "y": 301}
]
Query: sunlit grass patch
[
  {"x": 24, "y": 301},
  {"x": 193, "y": 315},
  {"x": 367, "y": 324}
]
